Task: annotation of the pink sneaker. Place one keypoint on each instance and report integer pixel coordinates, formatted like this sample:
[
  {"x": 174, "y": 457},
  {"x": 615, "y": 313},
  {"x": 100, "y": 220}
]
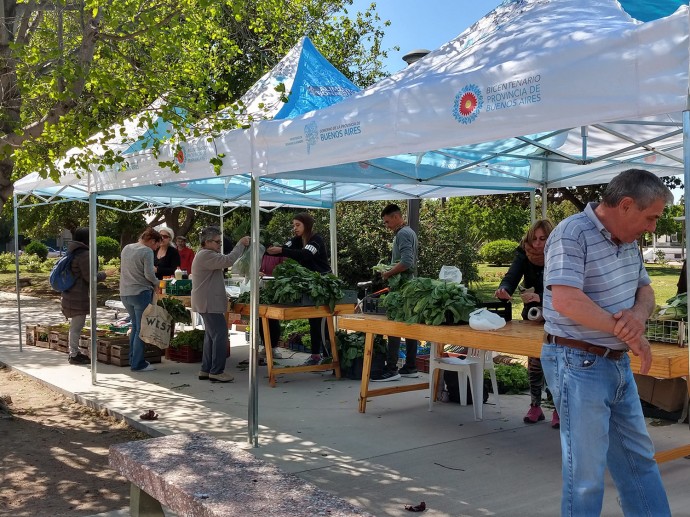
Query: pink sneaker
[
  {"x": 534, "y": 415},
  {"x": 555, "y": 420}
]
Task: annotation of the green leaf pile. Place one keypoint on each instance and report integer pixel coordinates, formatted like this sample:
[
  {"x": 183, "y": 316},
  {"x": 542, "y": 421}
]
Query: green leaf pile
[
  {"x": 191, "y": 338},
  {"x": 430, "y": 301},
  {"x": 292, "y": 281}
]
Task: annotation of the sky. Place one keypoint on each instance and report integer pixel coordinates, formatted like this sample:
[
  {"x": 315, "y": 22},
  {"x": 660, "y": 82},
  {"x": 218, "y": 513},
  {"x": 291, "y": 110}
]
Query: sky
[{"x": 425, "y": 24}]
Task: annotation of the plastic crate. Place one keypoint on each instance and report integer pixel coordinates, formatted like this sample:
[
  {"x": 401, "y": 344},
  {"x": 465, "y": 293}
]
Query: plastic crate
[
  {"x": 422, "y": 363},
  {"x": 349, "y": 296},
  {"x": 666, "y": 331},
  {"x": 371, "y": 305},
  {"x": 178, "y": 287},
  {"x": 183, "y": 354}
]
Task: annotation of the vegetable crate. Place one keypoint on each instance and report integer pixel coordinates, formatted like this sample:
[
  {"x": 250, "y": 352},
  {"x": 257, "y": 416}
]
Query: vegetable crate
[
  {"x": 666, "y": 331},
  {"x": 178, "y": 287},
  {"x": 31, "y": 335},
  {"x": 422, "y": 363},
  {"x": 371, "y": 305},
  {"x": 183, "y": 354}
]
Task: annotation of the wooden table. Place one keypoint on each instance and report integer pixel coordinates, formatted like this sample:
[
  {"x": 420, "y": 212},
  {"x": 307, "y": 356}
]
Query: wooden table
[
  {"x": 284, "y": 313},
  {"x": 517, "y": 337}
]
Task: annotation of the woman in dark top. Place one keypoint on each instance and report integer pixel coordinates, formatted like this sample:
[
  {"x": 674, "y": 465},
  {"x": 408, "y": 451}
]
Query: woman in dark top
[
  {"x": 167, "y": 258},
  {"x": 309, "y": 250},
  {"x": 529, "y": 264}
]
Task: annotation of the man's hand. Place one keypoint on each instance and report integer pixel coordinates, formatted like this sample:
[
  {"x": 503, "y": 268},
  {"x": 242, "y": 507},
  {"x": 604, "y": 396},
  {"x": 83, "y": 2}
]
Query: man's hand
[
  {"x": 629, "y": 325},
  {"x": 502, "y": 294},
  {"x": 640, "y": 347}
]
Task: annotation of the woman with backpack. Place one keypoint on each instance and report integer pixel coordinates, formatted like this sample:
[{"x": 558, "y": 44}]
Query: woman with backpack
[{"x": 75, "y": 300}]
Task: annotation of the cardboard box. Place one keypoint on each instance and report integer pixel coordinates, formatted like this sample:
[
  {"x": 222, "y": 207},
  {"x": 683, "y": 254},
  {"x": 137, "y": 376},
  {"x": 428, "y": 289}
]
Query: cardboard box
[
  {"x": 666, "y": 394},
  {"x": 239, "y": 328}
]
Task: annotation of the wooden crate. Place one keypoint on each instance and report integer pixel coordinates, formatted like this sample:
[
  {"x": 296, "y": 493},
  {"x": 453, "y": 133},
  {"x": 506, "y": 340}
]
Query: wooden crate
[
  {"x": 119, "y": 354},
  {"x": 31, "y": 335},
  {"x": 43, "y": 336}
]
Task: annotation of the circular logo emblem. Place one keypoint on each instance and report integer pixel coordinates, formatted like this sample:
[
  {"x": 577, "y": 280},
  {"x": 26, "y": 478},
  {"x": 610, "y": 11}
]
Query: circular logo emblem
[
  {"x": 179, "y": 156},
  {"x": 468, "y": 103}
]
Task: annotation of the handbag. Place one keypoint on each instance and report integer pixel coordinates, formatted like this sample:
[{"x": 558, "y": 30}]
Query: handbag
[{"x": 156, "y": 326}]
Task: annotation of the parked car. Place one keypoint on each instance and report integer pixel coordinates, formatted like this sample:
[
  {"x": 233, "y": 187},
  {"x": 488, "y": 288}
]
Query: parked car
[{"x": 53, "y": 253}]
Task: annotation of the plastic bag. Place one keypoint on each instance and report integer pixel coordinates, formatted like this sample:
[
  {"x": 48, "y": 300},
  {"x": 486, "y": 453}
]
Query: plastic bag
[
  {"x": 450, "y": 274},
  {"x": 242, "y": 265},
  {"x": 483, "y": 319}
]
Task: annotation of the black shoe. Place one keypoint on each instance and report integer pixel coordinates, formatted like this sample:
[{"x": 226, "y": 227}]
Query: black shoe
[
  {"x": 79, "y": 359},
  {"x": 384, "y": 376},
  {"x": 408, "y": 371}
]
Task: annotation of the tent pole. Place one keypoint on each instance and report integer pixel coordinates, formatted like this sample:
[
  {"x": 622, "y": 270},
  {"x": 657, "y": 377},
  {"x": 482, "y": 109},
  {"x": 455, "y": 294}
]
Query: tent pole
[
  {"x": 334, "y": 238},
  {"x": 16, "y": 266},
  {"x": 93, "y": 285},
  {"x": 222, "y": 233},
  {"x": 253, "y": 407},
  {"x": 686, "y": 181},
  {"x": 532, "y": 206}
]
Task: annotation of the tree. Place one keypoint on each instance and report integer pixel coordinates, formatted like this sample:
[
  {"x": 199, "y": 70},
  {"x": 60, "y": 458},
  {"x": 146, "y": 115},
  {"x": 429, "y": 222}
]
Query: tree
[{"x": 69, "y": 69}]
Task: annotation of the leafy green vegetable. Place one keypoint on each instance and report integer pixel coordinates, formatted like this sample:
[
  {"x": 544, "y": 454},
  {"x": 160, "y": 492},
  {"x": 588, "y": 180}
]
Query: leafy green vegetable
[
  {"x": 676, "y": 308},
  {"x": 351, "y": 346},
  {"x": 430, "y": 301},
  {"x": 291, "y": 282},
  {"x": 191, "y": 338},
  {"x": 178, "y": 312}
]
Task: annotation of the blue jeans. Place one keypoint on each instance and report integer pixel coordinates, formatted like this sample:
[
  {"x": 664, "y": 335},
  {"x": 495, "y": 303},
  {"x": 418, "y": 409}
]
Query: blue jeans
[
  {"x": 602, "y": 425},
  {"x": 215, "y": 343},
  {"x": 135, "y": 305}
]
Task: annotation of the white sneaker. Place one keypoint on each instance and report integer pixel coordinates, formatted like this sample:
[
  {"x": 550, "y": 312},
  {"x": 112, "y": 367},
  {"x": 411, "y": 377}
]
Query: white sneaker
[
  {"x": 147, "y": 368},
  {"x": 277, "y": 354}
]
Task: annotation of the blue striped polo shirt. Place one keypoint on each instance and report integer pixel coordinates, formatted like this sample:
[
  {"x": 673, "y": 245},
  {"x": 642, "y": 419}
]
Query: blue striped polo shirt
[{"x": 580, "y": 253}]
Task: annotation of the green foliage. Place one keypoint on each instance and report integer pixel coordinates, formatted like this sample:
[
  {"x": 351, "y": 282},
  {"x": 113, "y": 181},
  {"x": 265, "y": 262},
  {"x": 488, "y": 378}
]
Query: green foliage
[
  {"x": 489, "y": 217},
  {"x": 37, "y": 248},
  {"x": 114, "y": 263},
  {"x": 176, "y": 309},
  {"x": 362, "y": 240},
  {"x": 32, "y": 263},
  {"x": 108, "y": 248},
  {"x": 191, "y": 338},
  {"x": 291, "y": 282},
  {"x": 203, "y": 55},
  {"x": 513, "y": 377},
  {"x": 444, "y": 240},
  {"x": 6, "y": 262},
  {"x": 296, "y": 331},
  {"x": 430, "y": 301},
  {"x": 499, "y": 252},
  {"x": 351, "y": 346}
]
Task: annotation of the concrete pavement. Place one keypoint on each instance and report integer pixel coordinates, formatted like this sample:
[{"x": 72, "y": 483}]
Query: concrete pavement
[{"x": 397, "y": 453}]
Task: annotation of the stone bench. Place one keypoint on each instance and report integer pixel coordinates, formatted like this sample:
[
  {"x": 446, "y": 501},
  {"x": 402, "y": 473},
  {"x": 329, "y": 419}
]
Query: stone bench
[{"x": 197, "y": 475}]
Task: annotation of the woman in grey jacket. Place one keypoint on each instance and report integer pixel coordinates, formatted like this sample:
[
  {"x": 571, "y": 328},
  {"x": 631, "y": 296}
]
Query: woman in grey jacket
[{"x": 211, "y": 302}]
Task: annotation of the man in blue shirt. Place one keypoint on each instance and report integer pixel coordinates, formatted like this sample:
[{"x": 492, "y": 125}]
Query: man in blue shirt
[{"x": 597, "y": 298}]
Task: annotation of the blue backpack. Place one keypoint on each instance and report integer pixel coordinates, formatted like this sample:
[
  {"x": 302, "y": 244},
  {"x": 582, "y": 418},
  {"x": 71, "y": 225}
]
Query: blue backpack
[{"x": 61, "y": 277}]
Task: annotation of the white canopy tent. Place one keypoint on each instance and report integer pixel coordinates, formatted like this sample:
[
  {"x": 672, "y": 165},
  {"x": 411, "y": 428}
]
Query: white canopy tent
[{"x": 557, "y": 72}]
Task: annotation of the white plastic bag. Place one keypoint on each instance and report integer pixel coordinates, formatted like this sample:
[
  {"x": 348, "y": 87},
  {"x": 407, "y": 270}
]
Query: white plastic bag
[
  {"x": 450, "y": 274},
  {"x": 483, "y": 319}
]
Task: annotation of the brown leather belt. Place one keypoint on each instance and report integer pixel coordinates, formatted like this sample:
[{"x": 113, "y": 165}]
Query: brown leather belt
[{"x": 601, "y": 351}]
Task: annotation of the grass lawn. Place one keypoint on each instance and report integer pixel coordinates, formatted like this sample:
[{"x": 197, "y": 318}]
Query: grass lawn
[{"x": 664, "y": 280}]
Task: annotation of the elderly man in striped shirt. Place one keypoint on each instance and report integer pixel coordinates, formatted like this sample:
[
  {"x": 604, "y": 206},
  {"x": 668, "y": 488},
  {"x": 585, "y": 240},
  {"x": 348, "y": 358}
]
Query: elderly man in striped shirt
[{"x": 597, "y": 297}]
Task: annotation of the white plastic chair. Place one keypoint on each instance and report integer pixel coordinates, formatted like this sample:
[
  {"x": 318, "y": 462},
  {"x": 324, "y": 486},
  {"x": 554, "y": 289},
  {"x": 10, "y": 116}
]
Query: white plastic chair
[{"x": 472, "y": 366}]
